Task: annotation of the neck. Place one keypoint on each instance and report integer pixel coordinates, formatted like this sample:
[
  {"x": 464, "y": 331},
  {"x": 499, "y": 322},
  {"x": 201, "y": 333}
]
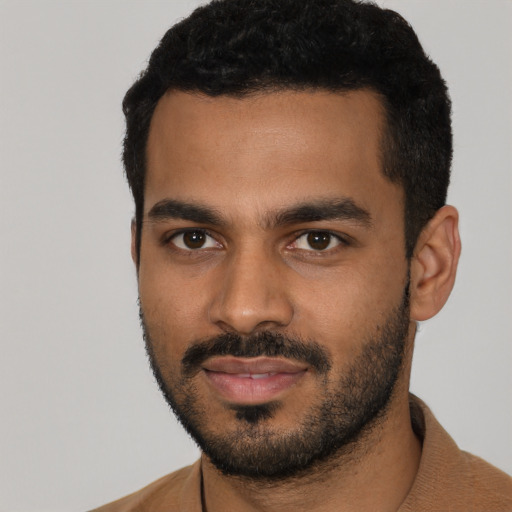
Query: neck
[{"x": 376, "y": 473}]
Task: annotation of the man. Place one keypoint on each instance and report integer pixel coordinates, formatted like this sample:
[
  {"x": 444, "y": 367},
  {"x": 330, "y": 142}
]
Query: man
[{"x": 289, "y": 163}]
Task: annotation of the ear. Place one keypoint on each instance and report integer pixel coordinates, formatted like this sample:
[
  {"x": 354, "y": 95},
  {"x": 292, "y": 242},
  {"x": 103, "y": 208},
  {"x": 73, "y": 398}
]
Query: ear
[
  {"x": 133, "y": 246},
  {"x": 434, "y": 264}
]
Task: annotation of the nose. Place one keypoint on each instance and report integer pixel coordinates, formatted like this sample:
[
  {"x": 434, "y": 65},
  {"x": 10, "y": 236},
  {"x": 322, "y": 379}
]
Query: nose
[{"x": 252, "y": 295}]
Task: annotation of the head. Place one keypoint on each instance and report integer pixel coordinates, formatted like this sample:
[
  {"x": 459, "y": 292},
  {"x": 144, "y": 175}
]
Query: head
[
  {"x": 238, "y": 48},
  {"x": 289, "y": 164}
]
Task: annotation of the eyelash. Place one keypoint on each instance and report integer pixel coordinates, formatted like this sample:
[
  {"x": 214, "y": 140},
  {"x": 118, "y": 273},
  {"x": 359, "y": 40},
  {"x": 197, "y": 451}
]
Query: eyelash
[
  {"x": 168, "y": 240},
  {"x": 341, "y": 241}
]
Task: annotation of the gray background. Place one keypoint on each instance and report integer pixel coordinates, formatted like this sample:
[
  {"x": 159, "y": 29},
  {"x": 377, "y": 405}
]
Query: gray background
[{"x": 82, "y": 421}]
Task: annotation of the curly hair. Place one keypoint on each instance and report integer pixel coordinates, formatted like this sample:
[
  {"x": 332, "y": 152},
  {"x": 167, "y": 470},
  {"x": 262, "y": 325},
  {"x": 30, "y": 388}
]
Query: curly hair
[{"x": 241, "y": 47}]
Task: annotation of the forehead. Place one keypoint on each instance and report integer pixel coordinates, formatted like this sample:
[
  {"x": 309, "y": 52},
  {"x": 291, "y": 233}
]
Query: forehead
[{"x": 264, "y": 150}]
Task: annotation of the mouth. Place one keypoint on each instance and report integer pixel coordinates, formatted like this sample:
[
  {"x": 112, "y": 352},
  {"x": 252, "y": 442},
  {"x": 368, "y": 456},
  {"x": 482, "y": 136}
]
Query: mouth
[{"x": 252, "y": 381}]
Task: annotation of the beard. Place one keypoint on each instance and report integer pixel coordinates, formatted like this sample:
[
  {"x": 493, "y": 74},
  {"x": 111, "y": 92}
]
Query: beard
[{"x": 346, "y": 407}]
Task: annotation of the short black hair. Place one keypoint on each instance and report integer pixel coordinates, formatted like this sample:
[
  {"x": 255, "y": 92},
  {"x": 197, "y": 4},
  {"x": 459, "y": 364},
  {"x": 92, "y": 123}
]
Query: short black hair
[{"x": 241, "y": 47}]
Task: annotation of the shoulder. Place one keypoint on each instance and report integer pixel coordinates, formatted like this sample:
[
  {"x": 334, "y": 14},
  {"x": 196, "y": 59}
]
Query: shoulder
[
  {"x": 180, "y": 490},
  {"x": 449, "y": 478},
  {"x": 491, "y": 487}
]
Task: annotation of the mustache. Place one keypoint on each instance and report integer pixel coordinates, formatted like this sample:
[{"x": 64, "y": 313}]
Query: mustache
[{"x": 266, "y": 343}]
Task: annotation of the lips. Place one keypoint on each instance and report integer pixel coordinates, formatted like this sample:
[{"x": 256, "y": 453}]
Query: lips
[{"x": 251, "y": 381}]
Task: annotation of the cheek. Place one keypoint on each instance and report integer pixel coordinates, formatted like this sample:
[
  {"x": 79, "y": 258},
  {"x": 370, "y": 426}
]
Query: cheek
[
  {"x": 344, "y": 309},
  {"x": 173, "y": 309}
]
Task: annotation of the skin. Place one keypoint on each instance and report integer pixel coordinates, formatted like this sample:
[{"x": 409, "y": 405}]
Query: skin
[{"x": 247, "y": 159}]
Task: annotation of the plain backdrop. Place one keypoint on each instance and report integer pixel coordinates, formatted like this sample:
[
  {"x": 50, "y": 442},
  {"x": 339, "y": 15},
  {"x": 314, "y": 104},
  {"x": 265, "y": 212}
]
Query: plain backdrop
[{"x": 82, "y": 421}]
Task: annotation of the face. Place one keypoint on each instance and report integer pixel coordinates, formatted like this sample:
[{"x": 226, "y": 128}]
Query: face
[{"x": 272, "y": 275}]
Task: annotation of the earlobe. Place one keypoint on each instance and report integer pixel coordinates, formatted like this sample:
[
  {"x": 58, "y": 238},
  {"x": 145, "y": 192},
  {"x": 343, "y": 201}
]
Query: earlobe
[
  {"x": 434, "y": 264},
  {"x": 133, "y": 247}
]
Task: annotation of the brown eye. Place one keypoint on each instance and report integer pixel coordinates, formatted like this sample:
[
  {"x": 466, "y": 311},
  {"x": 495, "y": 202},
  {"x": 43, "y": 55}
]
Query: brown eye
[
  {"x": 194, "y": 240},
  {"x": 317, "y": 241}
]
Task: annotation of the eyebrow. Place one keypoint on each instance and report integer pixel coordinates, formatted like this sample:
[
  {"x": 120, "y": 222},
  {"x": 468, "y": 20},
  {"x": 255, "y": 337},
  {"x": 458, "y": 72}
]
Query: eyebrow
[
  {"x": 308, "y": 211},
  {"x": 172, "y": 209},
  {"x": 322, "y": 210}
]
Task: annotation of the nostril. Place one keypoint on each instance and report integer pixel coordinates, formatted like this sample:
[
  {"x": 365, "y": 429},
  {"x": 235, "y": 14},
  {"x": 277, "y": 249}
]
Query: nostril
[{"x": 246, "y": 318}]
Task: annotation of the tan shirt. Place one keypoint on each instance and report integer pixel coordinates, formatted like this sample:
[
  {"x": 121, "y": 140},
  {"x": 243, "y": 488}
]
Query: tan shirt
[{"x": 448, "y": 480}]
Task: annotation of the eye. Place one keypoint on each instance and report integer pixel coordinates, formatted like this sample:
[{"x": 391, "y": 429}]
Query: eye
[
  {"x": 317, "y": 241},
  {"x": 194, "y": 239}
]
